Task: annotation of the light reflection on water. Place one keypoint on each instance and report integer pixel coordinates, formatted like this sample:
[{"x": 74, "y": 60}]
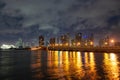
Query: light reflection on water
[
  {"x": 111, "y": 67},
  {"x": 59, "y": 65}
]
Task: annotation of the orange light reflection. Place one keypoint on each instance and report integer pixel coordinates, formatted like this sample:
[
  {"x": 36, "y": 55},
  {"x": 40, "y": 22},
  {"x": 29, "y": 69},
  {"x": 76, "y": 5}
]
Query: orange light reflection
[{"x": 111, "y": 66}]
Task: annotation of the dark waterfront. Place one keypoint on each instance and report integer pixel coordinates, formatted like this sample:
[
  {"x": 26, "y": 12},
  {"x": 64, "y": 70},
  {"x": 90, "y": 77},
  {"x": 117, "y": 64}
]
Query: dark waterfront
[{"x": 59, "y": 65}]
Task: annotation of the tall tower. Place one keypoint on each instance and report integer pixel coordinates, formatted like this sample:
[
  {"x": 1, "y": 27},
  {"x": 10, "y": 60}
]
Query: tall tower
[
  {"x": 78, "y": 39},
  {"x": 52, "y": 41},
  {"x": 106, "y": 41},
  {"x": 91, "y": 40},
  {"x": 41, "y": 40},
  {"x": 19, "y": 43},
  {"x": 65, "y": 39}
]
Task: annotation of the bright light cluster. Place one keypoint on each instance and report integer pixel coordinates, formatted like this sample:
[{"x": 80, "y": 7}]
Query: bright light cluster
[{"x": 5, "y": 46}]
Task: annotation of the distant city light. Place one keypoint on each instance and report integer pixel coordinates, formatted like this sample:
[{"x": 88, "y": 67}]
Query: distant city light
[
  {"x": 56, "y": 44},
  {"x": 6, "y": 46},
  {"x": 112, "y": 41},
  {"x": 91, "y": 43},
  {"x": 85, "y": 44},
  {"x": 66, "y": 44},
  {"x": 60, "y": 44},
  {"x": 106, "y": 43},
  {"x": 78, "y": 43}
]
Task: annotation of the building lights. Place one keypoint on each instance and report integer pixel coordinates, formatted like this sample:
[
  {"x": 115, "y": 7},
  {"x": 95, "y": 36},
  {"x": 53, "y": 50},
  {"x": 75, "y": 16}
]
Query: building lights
[
  {"x": 106, "y": 43},
  {"x": 91, "y": 43},
  {"x": 112, "y": 41},
  {"x": 85, "y": 44},
  {"x": 78, "y": 44},
  {"x": 66, "y": 44},
  {"x": 74, "y": 44},
  {"x": 60, "y": 44},
  {"x": 5, "y": 46},
  {"x": 56, "y": 44}
]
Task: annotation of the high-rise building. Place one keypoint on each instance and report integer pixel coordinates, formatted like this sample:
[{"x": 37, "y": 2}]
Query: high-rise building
[
  {"x": 117, "y": 44},
  {"x": 78, "y": 39},
  {"x": 104, "y": 42},
  {"x": 101, "y": 42},
  {"x": 107, "y": 40},
  {"x": 73, "y": 43},
  {"x": 19, "y": 43},
  {"x": 65, "y": 39},
  {"x": 41, "y": 40},
  {"x": 91, "y": 37},
  {"x": 91, "y": 40},
  {"x": 52, "y": 41}
]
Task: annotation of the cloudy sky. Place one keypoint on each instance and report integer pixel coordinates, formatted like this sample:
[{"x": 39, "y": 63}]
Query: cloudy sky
[{"x": 27, "y": 19}]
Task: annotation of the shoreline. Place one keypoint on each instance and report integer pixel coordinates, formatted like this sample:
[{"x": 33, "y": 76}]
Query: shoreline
[
  {"x": 86, "y": 49},
  {"x": 69, "y": 48}
]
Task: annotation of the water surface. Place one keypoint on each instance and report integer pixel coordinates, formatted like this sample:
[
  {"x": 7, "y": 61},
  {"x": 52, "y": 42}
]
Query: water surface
[{"x": 59, "y": 65}]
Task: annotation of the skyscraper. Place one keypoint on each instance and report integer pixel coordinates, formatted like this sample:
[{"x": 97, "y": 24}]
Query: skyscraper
[
  {"x": 52, "y": 41},
  {"x": 78, "y": 39},
  {"x": 41, "y": 40}
]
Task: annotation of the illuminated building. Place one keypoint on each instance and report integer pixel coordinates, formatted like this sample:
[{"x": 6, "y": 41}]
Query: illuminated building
[
  {"x": 19, "y": 43},
  {"x": 117, "y": 44},
  {"x": 57, "y": 40},
  {"x": 73, "y": 42},
  {"x": 104, "y": 42},
  {"x": 107, "y": 40},
  {"x": 78, "y": 39},
  {"x": 52, "y": 41},
  {"x": 6, "y": 46},
  {"x": 101, "y": 42},
  {"x": 88, "y": 40},
  {"x": 41, "y": 40},
  {"x": 91, "y": 40},
  {"x": 65, "y": 39}
]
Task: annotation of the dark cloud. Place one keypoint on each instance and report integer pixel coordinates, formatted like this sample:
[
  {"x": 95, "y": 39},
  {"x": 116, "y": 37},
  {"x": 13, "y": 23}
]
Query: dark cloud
[
  {"x": 114, "y": 20},
  {"x": 51, "y": 17},
  {"x": 10, "y": 24},
  {"x": 2, "y": 5}
]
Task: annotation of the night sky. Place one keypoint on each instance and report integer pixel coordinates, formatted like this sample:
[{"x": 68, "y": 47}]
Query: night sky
[{"x": 27, "y": 19}]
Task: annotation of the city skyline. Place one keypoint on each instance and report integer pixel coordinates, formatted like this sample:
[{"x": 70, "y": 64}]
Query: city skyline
[{"x": 27, "y": 19}]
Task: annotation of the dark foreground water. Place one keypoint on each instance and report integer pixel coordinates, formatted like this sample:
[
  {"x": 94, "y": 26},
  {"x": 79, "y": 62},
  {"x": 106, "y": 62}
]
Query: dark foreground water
[{"x": 59, "y": 65}]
